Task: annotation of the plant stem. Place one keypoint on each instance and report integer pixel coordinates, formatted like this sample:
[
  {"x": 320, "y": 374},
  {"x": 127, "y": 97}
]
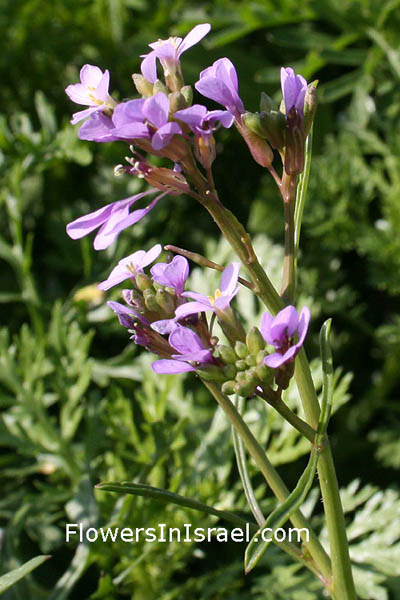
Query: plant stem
[
  {"x": 274, "y": 400},
  {"x": 288, "y": 192},
  {"x": 273, "y": 479}
]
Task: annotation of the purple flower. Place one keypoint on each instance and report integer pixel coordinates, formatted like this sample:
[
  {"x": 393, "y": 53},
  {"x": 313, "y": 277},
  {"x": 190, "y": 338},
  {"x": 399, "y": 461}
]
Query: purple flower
[
  {"x": 92, "y": 91},
  {"x": 99, "y": 128},
  {"x": 173, "y": 274},
  {"x": 126, "y": 315},
  {"x": 190, "y": 349},
  {"x": 220, "y": 83},
  {"x": 201, "y": 121},
  {"x": 130, "y": 266},
  {"x": 169, "y": 52},
  {"x": 217, "y": 303},
  {"x": 282, "y": 332},
  {"x": 111, "y": 219},
  {"x": 294, "y": 89}
]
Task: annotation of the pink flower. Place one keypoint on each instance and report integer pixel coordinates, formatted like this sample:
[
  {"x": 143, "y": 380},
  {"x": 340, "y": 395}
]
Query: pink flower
[{"x": 92, "y": 91}]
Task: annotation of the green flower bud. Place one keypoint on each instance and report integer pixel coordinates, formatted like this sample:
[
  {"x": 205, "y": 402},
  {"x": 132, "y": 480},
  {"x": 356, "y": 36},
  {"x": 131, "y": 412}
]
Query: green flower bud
[
  {"x": 310, "y": 106},
  {"x": 227, "y": 354},
  {"x": 241, "y": 350},
  {"x": 261, "y": 355},
  {"x": 265, "y": 374},
  {"x": 158, "y": 86},
  {"x": 266, "y": 103},
  {"x": 244, "y": 389},
  {"x": 253, "y": 122},
  {"x": 229, "y": 371},
  {"x": 241, "y": 376},
  {"x": 144, "y": 87},
  {"x": 176, "y": 102},
  {"x": 212, "y": 373},
  {"x": 255, "y": 341},
  {"x": 251, "y": 361},
  {"x": 187, "y": 93},
  {"x": 241, "y": 364},
  {"x": 294, "y": 150},
  {"x": 228, "y": 387},
  {"x": 150, "y": 300},
  {"x": 143, "y": 282},
  {"x": 252, "y": 377},
  {"x": 273, "y": 125},
  {"x": 166, "y": 301}
]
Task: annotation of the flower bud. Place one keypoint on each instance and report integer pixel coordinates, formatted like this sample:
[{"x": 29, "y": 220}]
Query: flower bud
[
  {"x": 187, "y": 93},
  {"x": 176, "y": 102},
  {"x": 294, "y": 151},
  {"x": 211, "y": 373},
  {"x": 264, "y": 374},
  {"x": 158, "y": 86},
  {"x": 143, "y": 86},
  {"x": 229, "y": 371},
  {"x": 227, "y": 354},
  {"x": 241, "y": 365},
  {"x": 310, "y": 106},
  {"x": 255, "y": 341},
  {"x": 244, "y": 388},
  {"x": 253, "y": 122},
  {"x": 166, "y": 301},
  {"x": 259, "y": 149},
  {"x": 273, "y": 124},
  {"x": 284, "y": 374},
  {"x": 150, "y": 300},
  {"x": 266, "y": 103},
  {"x": 252, "y": 377},
  {"x": 241, "y": 350},
  {"x": 228, "y": 387},
  {"x": 251, "y": 360},
  {"x": 205, "y": 150},
  {"x": 142, "y": 282}
]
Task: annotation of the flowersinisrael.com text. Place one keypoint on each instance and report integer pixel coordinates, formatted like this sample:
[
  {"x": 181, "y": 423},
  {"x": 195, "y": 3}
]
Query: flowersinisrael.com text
[{"x": 163, "y": 533}]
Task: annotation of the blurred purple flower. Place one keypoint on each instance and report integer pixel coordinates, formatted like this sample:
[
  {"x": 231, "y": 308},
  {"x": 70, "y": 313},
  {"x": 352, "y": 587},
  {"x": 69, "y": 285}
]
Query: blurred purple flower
[
  {"x": 130, "y": 266},
  {"x": 201, "y": 121},
  {"x": 92, "y": 91},
  {"x": 126, "y": 315},
  {"x": 294, "y": 88},
  {"x": 111, "y": 219},
  {"x": 173, "y": 274},
  {"x": 190, "y": 349},
  {"x": 282, "y": 332},
  {"x": 169, "y": 52},
  {"x": 217, "y": 303},
  {"x": 220, "y": 83}
]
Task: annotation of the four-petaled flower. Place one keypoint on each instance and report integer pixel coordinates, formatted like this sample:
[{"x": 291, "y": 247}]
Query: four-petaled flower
[
  {"x": 190, "y": 349},
  {"x": 286, "y": 332},
  {"x": 111, "y": 219},
  {"x": 92, "y": 91},
  {"x": 294, "y": 88},
  {"x": 169, "y": 52},
  {"x": 201, "y": 121},
  {"x": 173, "y": 274},
  {"x": 130, "y": 266},
  {"x": 220, "y": 83},
  {"x": 219, "y": 302}
]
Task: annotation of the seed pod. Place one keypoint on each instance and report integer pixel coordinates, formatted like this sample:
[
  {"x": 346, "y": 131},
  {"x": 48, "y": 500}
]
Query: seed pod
[
  {"x": 241, "y": 350},
  {"x": 142, "y": 281},
  {"x": 227, "y": 354},
  {"x": 255, "y": 341}
]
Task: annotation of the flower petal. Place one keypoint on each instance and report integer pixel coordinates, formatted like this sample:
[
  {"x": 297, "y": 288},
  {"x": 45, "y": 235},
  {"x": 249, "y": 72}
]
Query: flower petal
[
  {"x": 170, "y": 367},
  {"x": 266, "y": 321},
  {"x": 164, "y": 134},
  {"x": 156, "y": 109},
  {"x": 173, "y": 274},
  {"x": 193, "y": 115},
  {"x": 229, "y": 278},
  {"x": 185, "y": 341},
  {"x": 82, "y": 114},
  {"x": 149, "y": 68},
  {"x": 164, "y": 326},
  {"x": 99, "y": 128},
  {"x": 193, "y": 37},
  {"x": 88, "y": 223},
  {"x": 285, "y": 323},
  {"x": 191, "y": 308},
  {"x": 304, "y": 320}
]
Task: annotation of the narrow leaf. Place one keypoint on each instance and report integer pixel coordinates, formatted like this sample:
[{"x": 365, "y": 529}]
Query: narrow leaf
[
  {"x": 15, "y": 575},
  {"x": 327, "y": 378},
  {"x": 141, "y": 489}
]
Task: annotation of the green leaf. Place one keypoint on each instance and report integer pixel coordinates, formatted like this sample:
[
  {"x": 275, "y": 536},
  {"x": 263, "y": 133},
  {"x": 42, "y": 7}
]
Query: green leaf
[
  {"x": 281, "y": 514},
  {"x": 301, "y": 193},
  {"x": 327, "y": 378},
  {"x": 141, "y": 489},
  {"x": 15, "y": 575}
]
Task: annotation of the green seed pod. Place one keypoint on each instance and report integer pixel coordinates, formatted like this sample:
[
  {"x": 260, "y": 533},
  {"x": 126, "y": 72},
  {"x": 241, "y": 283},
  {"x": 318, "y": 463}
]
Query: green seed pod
[
  {"x": 158, "y": 86},
  {"x": 241, "y": 350},
  {"x": 187, "y": 93},
  {"x": 143, "y": 282},
  {"x": 251, "y": 360},
  {"x": 255, "y": 341},
  {"x": 229, "y": 371},
  {"x": 166, "y": 301},
  {"x": 228, "y": 387},
  {"x": 227, "y": 354},
  {"x": 241, "y": 365},
  {"x": 144, "y": 87}
]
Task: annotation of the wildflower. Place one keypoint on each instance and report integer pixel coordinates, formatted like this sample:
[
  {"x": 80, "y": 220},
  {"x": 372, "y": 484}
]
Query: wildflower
[
  {"x": 217, "y": 303},
  {"x": 169, "y": 52},
  {"x": 173, "y": 274},
  {"x": 126, "y": 315},
  {"x": 220, "y": 83},
  {"x": 130, "y": 266},
  {"x": 190, "y": 350},
  {"x": 111, "y": 219},
  {"x": 282, "y": 333},
  {"x": 294, "y": 88},
  {"x": 92, "y": 91}
]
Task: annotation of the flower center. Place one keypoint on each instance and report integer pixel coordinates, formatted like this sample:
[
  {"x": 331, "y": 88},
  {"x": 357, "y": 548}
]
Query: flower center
[{"x": 217, "y": 295}]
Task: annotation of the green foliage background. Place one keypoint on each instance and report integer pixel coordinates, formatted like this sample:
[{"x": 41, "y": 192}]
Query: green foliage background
[{"x": 81, "y": 406}]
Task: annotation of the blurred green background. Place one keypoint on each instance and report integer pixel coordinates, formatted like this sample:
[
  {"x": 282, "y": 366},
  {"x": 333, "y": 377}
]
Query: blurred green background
[{"x": 80, "y": 405}]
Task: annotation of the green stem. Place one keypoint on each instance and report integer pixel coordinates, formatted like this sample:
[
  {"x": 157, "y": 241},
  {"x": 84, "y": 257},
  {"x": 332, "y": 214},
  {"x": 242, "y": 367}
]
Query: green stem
[
  {"x": 288, "y": 191},
  {"x": 273, "y": 479},
  {"x": 295, "y": 421}
]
